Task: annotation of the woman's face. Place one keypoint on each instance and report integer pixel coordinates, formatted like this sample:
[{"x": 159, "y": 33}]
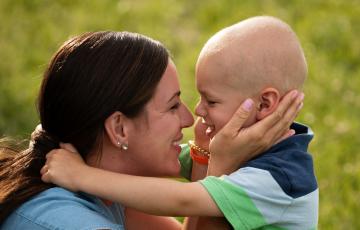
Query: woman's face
[{"x": 157, "y": 132}]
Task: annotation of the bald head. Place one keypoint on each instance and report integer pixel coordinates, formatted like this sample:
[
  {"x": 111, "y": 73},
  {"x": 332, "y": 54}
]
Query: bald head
[{"x": 256, "y": 53}]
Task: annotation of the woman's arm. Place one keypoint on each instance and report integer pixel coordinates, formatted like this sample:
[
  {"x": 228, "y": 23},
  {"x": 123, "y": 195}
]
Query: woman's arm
[{"x": 168, "y": 197}]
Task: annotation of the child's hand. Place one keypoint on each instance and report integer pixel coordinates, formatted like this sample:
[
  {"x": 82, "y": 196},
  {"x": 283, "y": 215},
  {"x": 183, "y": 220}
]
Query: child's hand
[
  {"x": 234, "y": 145},
  {"x": 201, "y": 139},
  {"x": 63, "y": 167}
]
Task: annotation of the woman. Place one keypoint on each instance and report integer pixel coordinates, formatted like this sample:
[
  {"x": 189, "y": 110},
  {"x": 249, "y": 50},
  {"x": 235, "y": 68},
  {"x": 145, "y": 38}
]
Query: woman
[{"x": 115, "y": 96}]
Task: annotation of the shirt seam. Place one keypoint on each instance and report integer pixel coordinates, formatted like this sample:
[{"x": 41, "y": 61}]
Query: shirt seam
[
  {"x": 228, "y": 203},
  {"x": 34, "y": 222}
]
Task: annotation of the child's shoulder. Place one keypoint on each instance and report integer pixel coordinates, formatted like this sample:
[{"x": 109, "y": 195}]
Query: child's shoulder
[
  {"x": 293, "y": 171},
  {"x": 289, "y": 163}
]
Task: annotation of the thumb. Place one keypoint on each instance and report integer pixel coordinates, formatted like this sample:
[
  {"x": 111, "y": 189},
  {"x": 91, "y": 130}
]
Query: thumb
[
  {"x": 238, "y": 119},
  {"x": 69, "y": 147}
]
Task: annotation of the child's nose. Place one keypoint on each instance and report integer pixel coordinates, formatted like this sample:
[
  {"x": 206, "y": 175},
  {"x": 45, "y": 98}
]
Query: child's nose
[{"x": 200, "y": 109}]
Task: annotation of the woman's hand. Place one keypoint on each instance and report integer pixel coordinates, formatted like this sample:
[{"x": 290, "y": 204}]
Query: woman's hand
[
  {"x": 64, "y": 167},
  {"x": 234, "y": 145}
]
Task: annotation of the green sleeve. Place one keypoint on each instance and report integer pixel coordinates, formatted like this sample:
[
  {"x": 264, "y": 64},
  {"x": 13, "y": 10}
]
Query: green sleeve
[
  {"x": 234, "y": 203},
  {"x": 185, "y": 162}
]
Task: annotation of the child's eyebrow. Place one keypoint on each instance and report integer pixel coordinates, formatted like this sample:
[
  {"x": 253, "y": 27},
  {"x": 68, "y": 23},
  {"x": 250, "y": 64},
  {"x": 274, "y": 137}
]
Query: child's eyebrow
[
  {"x": 205, "y": 94},
  {"x": 202, "y": 92}
]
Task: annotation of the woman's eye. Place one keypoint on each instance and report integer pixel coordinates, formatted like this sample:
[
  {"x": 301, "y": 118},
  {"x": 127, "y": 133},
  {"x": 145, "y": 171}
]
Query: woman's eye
[{"x": 176, "y": 106}]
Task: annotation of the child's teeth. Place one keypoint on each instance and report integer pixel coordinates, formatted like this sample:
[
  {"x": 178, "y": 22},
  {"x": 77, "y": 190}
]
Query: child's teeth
[{"x": 209, "y": 129}]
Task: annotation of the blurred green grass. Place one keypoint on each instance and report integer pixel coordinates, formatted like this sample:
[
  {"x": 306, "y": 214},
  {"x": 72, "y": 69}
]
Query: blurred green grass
[{"x": 31, "y": 31}]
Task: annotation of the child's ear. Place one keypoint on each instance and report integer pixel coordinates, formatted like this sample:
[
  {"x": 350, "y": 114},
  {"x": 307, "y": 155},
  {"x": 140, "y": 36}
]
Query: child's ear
[
  {"x": 268, "y": 102},
  {"x": 117, "y": 129}
]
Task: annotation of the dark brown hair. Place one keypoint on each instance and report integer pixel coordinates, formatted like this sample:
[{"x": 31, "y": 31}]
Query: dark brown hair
[{"x": 90, "y": 77}]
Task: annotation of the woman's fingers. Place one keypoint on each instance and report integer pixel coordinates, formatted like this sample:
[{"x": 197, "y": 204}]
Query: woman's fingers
[
  {"x": 233, "y": 139},
  {"x": 274, "y": 126},
  {"x": 237, "y": 121},
  {"x": 281, "y": 127},
  {"x": 231, "y": 130},
  {"x": 287, "y": 106},
  {"x": 287, "y": 134}
]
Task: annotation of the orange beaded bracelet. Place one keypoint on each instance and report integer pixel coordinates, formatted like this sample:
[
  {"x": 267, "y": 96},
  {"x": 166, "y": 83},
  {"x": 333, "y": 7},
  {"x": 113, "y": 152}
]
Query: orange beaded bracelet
[{"x": 198, "y": 154}]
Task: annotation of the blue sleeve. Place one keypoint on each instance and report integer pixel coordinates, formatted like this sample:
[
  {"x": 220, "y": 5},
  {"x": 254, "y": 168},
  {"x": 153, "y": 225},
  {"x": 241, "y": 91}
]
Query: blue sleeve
[
  {"x": 76, "y": 218},
  {"x": 57, "y": 208}
]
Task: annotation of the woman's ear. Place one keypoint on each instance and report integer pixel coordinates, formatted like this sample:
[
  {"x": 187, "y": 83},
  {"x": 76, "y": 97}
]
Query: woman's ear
[
  {"x": 117, "y": 130},
  {"x": 268, "y": 102}
]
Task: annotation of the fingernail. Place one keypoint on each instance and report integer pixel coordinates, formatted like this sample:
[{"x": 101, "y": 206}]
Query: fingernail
[
  {"x": 292, "y": 132},
  {"x": 301, "y": 96},
  {"x": 294, "y": 94},
  {"x": 248, "y": 104},
  {"x": 300, "y": 106}
]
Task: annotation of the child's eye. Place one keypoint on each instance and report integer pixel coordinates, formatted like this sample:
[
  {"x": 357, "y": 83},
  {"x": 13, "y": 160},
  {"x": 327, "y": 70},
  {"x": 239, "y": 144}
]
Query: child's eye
[{"x": 210, "y": 103}]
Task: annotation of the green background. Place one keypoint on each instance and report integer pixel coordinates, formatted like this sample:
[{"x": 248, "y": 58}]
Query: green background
[{"x": 32, "y": 30}]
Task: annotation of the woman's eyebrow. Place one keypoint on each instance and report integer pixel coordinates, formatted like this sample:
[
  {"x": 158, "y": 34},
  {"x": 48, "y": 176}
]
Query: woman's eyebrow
[{"x": 177, "y": 94}]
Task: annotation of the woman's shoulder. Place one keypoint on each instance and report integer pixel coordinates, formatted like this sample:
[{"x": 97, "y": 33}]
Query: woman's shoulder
[{"x": 58, "y": 208}]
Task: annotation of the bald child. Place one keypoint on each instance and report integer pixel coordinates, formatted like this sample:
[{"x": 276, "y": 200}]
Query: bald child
[{"x": 259, "y": 58}]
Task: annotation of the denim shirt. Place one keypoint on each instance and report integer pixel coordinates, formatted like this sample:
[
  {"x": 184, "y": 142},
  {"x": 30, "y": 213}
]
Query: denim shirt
[{"x": 57, "y": 208}]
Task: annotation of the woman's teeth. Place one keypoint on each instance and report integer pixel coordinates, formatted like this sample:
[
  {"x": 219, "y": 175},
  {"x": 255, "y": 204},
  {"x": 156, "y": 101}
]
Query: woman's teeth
[{"x": 176, "y": 143}]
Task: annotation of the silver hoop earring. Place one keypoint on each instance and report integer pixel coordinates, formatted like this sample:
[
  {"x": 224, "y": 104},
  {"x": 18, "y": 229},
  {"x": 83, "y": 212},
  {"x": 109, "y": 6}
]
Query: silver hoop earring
[{"x": 124, "y": 147}]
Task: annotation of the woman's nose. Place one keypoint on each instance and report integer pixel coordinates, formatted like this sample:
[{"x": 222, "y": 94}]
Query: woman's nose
[{"x": 187, "y": 118}]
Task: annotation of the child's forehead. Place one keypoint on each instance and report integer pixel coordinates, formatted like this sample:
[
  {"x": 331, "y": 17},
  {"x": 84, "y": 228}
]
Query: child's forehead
[{"x": 221, "y": 89}]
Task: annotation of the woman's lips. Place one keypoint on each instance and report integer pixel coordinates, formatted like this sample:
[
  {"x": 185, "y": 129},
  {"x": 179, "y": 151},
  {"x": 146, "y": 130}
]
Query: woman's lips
[{"x": 177, "y": 143}]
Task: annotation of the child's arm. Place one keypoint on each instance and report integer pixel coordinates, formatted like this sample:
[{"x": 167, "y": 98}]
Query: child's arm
[
  {"x": 156, "y": 196},
  {"x": 164, "y": 196},
  {"x": 199, "y": 171}
]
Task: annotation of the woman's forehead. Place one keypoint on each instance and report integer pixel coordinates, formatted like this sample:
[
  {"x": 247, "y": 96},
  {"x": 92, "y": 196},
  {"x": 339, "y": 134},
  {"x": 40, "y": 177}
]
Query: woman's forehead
[{"x": 168, "y": 87}]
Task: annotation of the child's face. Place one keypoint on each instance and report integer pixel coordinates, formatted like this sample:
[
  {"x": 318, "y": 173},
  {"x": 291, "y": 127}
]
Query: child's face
[{"x": 219, "y": 99}]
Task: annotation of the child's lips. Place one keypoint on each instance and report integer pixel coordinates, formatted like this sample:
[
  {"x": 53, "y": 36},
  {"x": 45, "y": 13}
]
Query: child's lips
[{"x": 210, "y": 128}]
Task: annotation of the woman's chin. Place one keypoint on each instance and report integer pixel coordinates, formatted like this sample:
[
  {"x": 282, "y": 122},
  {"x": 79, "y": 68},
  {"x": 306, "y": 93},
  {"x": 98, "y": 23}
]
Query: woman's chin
[{"x": 173, "y": 171}]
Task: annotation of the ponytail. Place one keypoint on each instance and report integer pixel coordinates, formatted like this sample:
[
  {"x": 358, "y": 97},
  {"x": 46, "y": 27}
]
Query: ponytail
[{"x": 20, "y": 177}]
